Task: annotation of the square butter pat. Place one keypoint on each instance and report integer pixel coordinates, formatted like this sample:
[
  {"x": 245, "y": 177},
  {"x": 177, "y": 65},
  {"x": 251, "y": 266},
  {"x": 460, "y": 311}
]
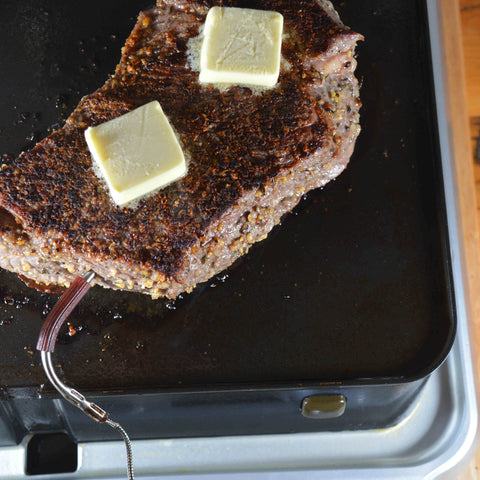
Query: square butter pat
[
  {"x": 241, "y": 46},
  {"x": 136, "y": 153}
]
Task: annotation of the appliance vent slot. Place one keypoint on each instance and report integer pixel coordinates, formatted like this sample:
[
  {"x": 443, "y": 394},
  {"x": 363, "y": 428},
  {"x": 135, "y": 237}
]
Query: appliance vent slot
[{"x": 51, "y": 453}]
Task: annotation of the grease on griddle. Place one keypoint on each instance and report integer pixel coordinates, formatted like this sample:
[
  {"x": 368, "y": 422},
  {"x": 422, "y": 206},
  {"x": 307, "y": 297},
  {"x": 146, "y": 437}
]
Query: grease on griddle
[
  {"x": 6, "y": 320},
  {"x": 72, "y": 330},
  {"x": 29, "y": 349},
  {"x": 11, "y": 301},
  {"x": 41, "y": 287},
  {"x": 107, "y": 341},
  {"x": 218, "y": 279}
]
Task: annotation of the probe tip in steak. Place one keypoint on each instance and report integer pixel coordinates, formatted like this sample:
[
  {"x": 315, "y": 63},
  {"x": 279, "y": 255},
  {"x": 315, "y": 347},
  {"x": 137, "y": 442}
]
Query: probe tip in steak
[{"x": 252, "y": 156}]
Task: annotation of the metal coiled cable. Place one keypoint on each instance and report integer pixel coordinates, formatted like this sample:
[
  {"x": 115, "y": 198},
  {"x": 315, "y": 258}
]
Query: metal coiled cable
[{"x": 128, "y": 446}]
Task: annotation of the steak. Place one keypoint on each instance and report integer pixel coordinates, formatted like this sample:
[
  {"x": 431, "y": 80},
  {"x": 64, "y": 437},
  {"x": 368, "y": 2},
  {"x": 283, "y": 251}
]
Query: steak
[{"x": 252, "y": 155}]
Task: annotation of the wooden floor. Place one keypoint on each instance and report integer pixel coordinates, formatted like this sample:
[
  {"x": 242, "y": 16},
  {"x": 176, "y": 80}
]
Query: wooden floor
[
  {"x": 470, "y": 19},
  {"x": 470, "y": 15}
]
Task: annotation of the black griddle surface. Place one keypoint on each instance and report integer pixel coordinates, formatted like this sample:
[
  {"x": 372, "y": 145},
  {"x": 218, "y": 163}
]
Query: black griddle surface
[{"x": 354, "y": 286}]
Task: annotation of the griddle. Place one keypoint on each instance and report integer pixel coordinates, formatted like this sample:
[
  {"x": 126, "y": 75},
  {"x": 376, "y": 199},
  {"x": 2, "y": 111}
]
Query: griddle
[{"x": 354, "y": 288}]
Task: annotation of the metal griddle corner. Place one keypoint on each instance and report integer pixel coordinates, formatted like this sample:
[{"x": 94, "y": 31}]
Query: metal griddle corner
[{"x": 339, "y": 344}]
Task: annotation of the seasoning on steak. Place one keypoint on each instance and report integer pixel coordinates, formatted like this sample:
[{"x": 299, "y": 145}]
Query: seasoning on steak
[{"x": 252, "y": 156}]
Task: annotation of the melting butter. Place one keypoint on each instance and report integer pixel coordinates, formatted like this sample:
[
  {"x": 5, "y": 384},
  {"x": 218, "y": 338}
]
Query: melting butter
[
  {"x": 241, "y": 46},
  {"x": 136, "y": 153}
]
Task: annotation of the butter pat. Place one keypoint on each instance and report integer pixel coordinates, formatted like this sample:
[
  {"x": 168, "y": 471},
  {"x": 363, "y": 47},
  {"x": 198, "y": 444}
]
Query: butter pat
[
  {"x": 241, "y": 46},
  {"x": 136, "y": 153}
]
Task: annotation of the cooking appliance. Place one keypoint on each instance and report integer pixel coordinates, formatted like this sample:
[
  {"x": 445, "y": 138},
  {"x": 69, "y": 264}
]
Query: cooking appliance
[{"x": 232, "y": 363}]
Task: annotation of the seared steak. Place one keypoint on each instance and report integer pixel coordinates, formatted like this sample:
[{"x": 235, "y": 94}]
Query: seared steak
[{"x": 252, "y": 156}]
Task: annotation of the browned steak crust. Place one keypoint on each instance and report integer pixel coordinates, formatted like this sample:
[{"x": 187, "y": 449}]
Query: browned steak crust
[{"x": 248, "y": 152}]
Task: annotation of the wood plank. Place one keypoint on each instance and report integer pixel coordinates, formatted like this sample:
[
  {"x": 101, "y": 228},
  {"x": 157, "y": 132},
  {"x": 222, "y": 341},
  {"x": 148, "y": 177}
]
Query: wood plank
[
  {"x": 475, "y": 149},
  {"x": 469, "y": 3},
  {"x": 470, "y": 17}
]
